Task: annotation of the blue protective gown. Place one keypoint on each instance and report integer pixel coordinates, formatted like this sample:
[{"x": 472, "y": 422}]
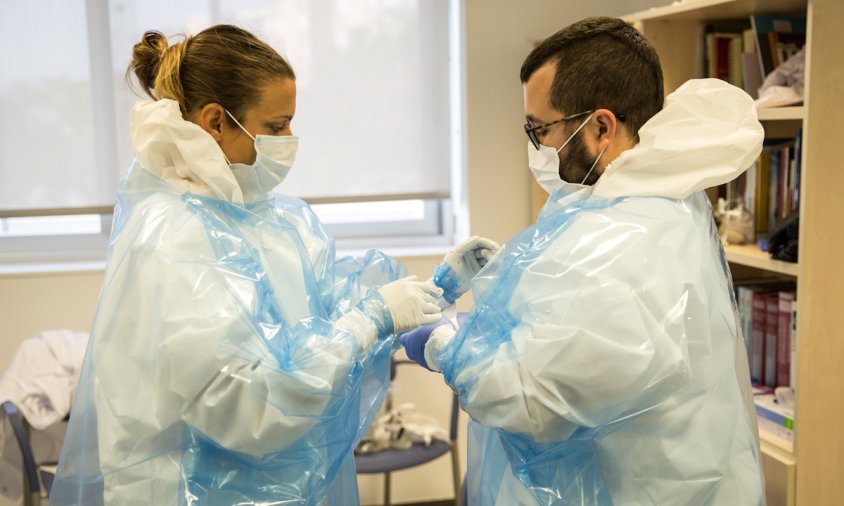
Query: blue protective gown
[
  {"x": 228, "y": 362},
  {"x": 602, "y": 362}
]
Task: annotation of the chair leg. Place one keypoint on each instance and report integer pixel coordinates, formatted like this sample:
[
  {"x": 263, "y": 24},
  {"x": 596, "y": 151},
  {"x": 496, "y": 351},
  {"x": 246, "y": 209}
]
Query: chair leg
[
  {"x": 386, "y": 489},
  {"x": 455, "y": 470},
  {"x": 28, "y": 498}
]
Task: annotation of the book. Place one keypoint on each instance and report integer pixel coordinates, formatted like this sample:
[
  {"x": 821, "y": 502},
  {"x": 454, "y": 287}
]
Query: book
[
  {"x": 751, "y": 299},
  {"x": 776, "y": 421},
  {"x": 776, "y": 37},
  {"x": 744, "y": 299},
  {"x": 723, "y": 56},
  {"x": 750, "y": 191},
  {"x": 792, "y": 375},
  {"x": 751, "y": 79},
  {"x": 769, "y": 374},
  {"x": 785, "y": 45},
  {"x": 757, "y": 337},
  {"x": 750, "y": 73},
  {"x": 773, "y": 184},
  {"x": 783, "y": 361},
  {"x": 770, "y": 189},
  {"x": 798, "y": 161},
  {"x": 760, "y": 211}
]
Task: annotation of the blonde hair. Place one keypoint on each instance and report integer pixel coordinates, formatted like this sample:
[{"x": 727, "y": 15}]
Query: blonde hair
[{"x": 222, "y": 64}]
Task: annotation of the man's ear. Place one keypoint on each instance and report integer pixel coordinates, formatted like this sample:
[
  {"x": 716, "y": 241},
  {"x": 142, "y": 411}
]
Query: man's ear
[
  {"x": 211, "y": 118},
  {"x": 608, "y": 126}
]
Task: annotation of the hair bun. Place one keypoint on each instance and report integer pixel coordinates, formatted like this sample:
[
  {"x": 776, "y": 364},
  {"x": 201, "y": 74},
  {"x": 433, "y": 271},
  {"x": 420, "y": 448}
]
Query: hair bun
[
  {"x": 155, "y": 40},
  {"x": 147, "y": 56}
]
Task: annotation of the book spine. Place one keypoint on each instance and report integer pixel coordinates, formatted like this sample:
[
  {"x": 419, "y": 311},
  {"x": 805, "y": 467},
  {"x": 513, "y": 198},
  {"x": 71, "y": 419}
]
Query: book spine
[
  {"x": 763, "y": 170},
  {"x": 793, "y": 345},
  {"x": 745, "y": 303},
  {"x": 798, "y": 154},
  {"x": 769, "y": 376},
  {"x": 757, "y": 337},
  {"x": 784, "y": 339},
  {"x": 773, "y": 180}
]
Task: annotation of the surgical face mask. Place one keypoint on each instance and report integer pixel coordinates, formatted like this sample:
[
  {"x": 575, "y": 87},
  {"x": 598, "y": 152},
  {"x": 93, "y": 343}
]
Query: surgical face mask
[
  {"x": 274, "y": 158},
  {"x": 544, "y": 163}
]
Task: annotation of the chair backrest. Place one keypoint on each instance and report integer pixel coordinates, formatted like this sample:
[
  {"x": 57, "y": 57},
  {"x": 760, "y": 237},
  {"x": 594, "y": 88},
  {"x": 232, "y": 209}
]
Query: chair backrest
[{"x": 19, "y": 428}]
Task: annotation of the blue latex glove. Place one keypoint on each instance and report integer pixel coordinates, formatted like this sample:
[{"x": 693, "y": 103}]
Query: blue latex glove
[
  {"x": 414, "y": 342},
  {"x": 461, "y": 318}
]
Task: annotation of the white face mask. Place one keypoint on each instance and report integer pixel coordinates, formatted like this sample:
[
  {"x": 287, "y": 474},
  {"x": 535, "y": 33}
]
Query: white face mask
[
  {"x": 274, "y": 158},
  {"x": 544, "y": 163}
]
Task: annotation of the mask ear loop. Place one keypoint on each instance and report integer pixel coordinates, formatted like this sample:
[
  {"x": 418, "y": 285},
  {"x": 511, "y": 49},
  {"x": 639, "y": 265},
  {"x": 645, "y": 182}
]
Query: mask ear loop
[
  {"x": 238, "y": 124},
  {"x": 575, "y": 132},
  {"x": 594, "y": 164},
  {"x": 244, "y": 131}
]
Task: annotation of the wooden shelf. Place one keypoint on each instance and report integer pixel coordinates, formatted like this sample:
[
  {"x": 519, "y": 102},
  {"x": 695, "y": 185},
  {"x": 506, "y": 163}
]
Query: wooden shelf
[
  {"x": 676, "y": 31},
  {"x": 770, "y": 446},
  {"x": 780, "y": 469},
  {"x": 752, "y": 256},
  {"x": 781, "y": 113},
  {"x": 699, "y": 10}
]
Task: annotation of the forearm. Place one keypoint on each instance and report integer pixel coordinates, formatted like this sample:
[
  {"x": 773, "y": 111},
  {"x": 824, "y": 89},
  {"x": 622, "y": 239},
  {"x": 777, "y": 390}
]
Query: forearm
[{"x": 548, "y": 380}]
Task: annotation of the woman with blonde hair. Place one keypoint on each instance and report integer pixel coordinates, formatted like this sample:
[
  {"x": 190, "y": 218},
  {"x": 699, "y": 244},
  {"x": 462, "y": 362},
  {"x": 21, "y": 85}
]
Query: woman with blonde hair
[{"x": 233, "y": 359}]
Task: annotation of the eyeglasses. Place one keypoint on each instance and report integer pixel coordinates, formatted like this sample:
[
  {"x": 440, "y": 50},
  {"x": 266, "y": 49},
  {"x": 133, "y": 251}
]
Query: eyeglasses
[{"x": 534, "y": 131}]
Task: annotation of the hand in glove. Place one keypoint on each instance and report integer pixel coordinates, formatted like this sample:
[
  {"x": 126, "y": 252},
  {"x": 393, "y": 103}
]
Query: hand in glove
[
  {"x": 423, "y": 343},
  {"x": 461, "y": 264},
  {"x": 411, "y": 303},
  {"x": 395, "y": 308}
]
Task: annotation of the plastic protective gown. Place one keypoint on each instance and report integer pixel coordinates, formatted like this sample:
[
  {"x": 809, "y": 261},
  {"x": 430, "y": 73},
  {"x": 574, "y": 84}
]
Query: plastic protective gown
[
  {"x": 602, "y": 363},
  {"x": 228, "y": 363}
]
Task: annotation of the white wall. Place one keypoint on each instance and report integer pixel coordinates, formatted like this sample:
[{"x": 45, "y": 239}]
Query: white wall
[{"x": 499, "y": 35}]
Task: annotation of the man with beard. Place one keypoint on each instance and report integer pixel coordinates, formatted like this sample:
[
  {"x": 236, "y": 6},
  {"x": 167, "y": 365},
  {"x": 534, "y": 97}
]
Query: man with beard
[{"x": 602, "y": 362}]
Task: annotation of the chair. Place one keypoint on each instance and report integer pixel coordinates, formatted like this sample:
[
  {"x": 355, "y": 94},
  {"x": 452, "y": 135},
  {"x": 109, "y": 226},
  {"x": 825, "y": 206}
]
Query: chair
[
  {"x": 395, "y": 460},
  {"x": 37, "y": 478}
]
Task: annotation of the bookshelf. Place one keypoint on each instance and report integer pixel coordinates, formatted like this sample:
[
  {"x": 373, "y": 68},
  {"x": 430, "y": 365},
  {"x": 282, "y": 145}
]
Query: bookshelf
[
  {"x": 811, "y": 474},
  {"x": 752, "y": 256},
  {"x": 781, "y": 113}
]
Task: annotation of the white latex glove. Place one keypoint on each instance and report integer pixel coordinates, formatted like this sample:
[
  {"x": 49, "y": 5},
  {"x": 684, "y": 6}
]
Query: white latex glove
[
  {"x": 461, "y": 264},
  {"x": 411, "y": 303},
  {"x": 439, "y": 339}
]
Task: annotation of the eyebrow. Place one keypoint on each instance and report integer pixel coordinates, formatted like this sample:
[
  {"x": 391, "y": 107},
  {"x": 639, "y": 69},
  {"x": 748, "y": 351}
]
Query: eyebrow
[
  {"x": 534, "y": 120},
  {"x": 279, "y": 117}
]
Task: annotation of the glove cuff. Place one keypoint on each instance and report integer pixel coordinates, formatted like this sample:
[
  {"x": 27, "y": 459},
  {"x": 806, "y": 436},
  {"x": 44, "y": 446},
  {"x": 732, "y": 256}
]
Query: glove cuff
[
  {"x": 375, "y": 307},
  {"x": 364, "y": 330},
  {"x": 440, "y": 337},
  {"x": 445, "y": 278}
]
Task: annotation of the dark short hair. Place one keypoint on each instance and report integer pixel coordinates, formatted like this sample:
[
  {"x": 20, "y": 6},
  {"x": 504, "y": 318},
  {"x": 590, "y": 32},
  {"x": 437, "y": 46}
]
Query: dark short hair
[{"x": 602, "y": 63}]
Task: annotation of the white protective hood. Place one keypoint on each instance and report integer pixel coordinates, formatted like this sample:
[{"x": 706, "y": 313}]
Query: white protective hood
[
  {"x": 180, "y": 152},
  {"x": 706, "y": 135}
]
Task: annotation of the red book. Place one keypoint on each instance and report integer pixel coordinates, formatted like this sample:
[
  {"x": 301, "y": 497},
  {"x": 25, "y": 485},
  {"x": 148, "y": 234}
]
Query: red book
[
  {"x": 757, "y": 336},
  {"x": 784, "y": 339},
  {"x": 772, "y": 319},
  {"x": 722, "y": 58}
]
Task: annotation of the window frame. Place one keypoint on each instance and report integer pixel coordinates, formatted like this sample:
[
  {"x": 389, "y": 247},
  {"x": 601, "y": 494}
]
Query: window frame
[{"x": 445, "y": 215}]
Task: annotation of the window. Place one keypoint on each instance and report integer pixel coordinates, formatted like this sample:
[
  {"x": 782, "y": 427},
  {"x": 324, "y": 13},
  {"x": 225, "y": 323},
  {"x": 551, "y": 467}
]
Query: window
[{"x": 377, "y": 110}]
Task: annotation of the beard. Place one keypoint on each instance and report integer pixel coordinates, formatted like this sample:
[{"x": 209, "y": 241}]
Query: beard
[{"x": 576, "y": 162}]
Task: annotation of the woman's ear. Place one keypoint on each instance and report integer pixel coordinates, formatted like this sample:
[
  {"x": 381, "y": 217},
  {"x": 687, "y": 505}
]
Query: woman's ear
[{"x": 211, "y": 118}]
